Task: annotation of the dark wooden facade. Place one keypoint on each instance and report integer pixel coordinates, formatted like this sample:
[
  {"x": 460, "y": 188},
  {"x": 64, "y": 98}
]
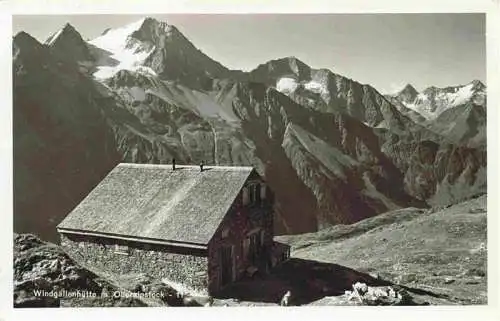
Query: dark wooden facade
[{"x": 244, "y": 240}]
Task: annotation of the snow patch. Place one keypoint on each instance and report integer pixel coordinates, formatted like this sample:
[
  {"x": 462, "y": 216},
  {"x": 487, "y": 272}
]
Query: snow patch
[
  {"x": 462, "y": 95},
  {"x": 286, "y": 85},
  {"x": 422, "y": 97},
  {"x": 316, "y": 87},
  {"x": 431, "y": 107},
  {"x": 52, "y": 39},
  {"x": 137, "y": 93}
]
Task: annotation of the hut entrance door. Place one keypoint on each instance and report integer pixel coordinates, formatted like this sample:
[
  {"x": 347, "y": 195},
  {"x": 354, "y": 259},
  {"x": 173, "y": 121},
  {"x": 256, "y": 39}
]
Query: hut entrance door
[{"x": 226, "y": 264}]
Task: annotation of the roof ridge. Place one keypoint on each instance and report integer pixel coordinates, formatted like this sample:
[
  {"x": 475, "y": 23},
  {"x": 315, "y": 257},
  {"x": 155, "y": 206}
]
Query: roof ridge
[{"x": 180, "y": 166}]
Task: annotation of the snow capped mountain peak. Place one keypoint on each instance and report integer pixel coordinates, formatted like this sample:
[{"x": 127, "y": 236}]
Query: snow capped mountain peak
[
  {"x": 154, "y": 48},
  {"x": 147, "y": 30},
  {"x": 154, "y": 32},
  {"x": 432, "y": 101}
]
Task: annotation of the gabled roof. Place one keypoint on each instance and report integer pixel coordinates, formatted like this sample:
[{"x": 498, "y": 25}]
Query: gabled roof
[{"x": 145, "y": 201}]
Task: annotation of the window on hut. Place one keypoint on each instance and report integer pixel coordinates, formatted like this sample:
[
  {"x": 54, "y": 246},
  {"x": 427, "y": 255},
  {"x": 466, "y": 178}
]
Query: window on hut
[
  {"x": 225, "y": 233},
  {"x": 246, "y": 197},
  {"x": 257, "y": 194},
  {"x": 263, "y": 191},
  {"x": 121, "y": 249},
  {"x": 251, "y": 190}
]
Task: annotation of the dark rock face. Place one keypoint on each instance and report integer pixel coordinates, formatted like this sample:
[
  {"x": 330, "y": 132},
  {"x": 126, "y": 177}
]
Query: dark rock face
[
  {"x": 62, "y": 144},
  {"x": 407, "y": 94},
  {"x": 439, "y": 173},
  {"x": 464, "y": 124},
  {"x": 69, "y": 43},
  {"x": 332, "y": 160}
]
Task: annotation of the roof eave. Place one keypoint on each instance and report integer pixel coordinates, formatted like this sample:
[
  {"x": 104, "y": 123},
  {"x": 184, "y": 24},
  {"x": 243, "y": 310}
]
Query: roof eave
[{"x": 200, "y": 246}]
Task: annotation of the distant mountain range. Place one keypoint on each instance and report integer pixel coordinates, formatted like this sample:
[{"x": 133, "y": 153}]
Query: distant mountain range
[
  {"x": 433, "y": 101},
  {"x": 456, "y": 112},
  {"x": 333, "y": 150}
]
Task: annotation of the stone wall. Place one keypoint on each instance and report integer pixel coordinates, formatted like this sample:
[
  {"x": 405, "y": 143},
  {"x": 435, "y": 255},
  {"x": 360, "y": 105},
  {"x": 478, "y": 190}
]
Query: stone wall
[{"x": 185, "y": 266}]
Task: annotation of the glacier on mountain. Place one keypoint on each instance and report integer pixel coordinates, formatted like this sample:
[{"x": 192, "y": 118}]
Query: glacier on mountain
[
  {"x": 128, "y": 53},
  {"x": 286, "y": 85},
  {"x": 433, "y": 101}
]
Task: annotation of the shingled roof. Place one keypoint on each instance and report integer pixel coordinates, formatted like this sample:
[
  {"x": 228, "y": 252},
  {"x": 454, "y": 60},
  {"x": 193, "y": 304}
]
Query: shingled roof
[{"x": 147, "y": 201}]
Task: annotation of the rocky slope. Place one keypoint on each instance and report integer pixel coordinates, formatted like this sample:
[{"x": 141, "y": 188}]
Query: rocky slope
[
  {"x": 439, "y": 255},
  {"x": 42, "y": 269},
  {"x": 45, "y": 276},
  {"x": 147, "y": 94},
  {"x": 464, "y": 124}
]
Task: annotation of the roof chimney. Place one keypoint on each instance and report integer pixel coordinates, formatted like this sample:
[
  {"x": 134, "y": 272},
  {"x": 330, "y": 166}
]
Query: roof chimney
[
  {"x": 201, "y": 166},
  {"x": 173, "y": 164}
]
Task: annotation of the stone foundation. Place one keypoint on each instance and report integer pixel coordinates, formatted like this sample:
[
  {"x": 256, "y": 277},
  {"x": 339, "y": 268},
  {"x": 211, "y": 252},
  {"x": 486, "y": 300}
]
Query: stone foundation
[{"x": 185, "y": 266}]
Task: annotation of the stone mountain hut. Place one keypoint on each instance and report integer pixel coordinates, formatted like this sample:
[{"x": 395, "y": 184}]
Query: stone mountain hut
[{"x": 202, "y": 227}]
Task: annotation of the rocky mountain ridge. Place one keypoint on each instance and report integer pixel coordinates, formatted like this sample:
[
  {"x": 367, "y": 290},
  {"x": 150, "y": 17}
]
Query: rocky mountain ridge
[
  {"x": 433, "y": 101},
  {"x": 344, "y": 148}
]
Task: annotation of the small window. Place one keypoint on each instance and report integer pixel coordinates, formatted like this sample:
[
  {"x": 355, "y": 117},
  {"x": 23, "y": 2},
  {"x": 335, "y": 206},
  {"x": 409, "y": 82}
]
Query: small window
[
  {"x": 225, "y": 233},
  {"x": 257, "y": 193},
  {"x": 252, "y": 194},
  {"x": 121, "y": 249},
  {"x": 263, "y": 189},
  {"x": 246, "y": 198}
]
